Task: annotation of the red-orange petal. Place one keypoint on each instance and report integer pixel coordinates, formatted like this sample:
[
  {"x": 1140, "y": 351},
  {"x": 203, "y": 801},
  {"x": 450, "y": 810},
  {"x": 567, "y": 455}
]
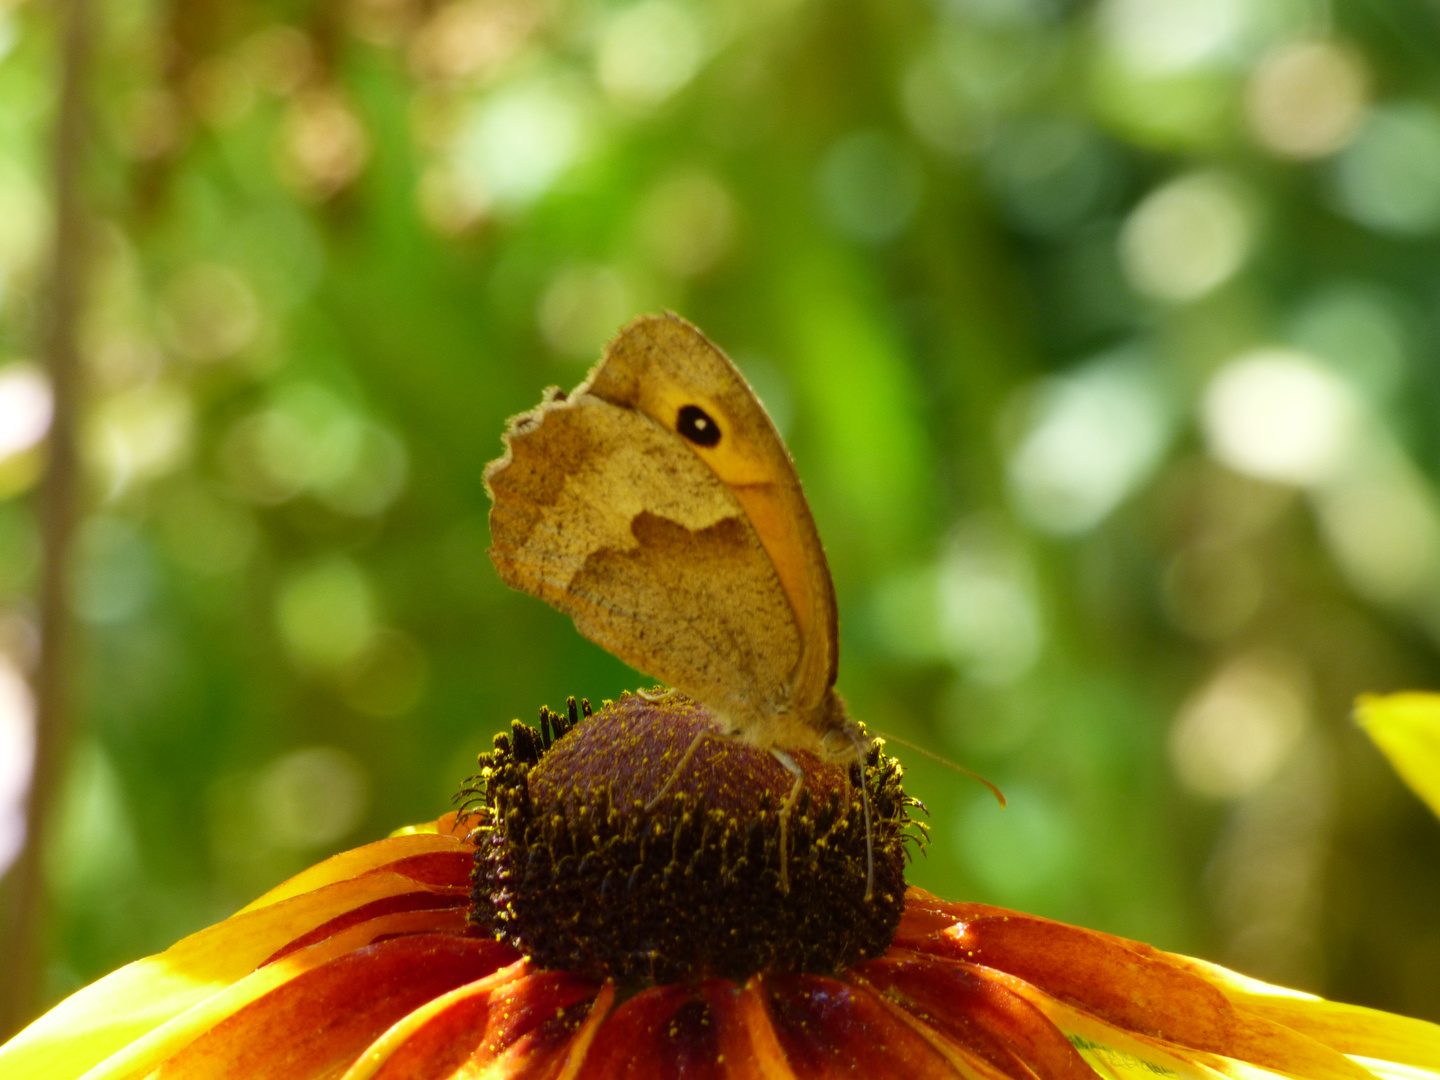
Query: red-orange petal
[
  {"x": 521, "y": 1027},
  {"x": 320, "y": 1021},
  {"x": 978, "y": 1013},
  {"x": 1101, "y": 973},
  {"x": 1127, "y": 984},
  {"x": 674, "y": 1032},
  {"x": 828, "y": 1028}
]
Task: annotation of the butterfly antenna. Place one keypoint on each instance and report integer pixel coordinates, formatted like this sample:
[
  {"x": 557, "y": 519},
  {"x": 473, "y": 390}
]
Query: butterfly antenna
[{"x": 994, "y": 790}]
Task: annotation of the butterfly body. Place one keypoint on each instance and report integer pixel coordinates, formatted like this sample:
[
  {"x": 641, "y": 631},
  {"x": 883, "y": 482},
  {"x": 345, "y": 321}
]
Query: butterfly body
[{"x": 658, "y": 507}]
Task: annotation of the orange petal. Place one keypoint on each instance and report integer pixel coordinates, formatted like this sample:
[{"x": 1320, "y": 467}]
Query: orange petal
[
  {"x": 111, "y": 1014},
  {"x": 695, "y": 1032},
  {"x": 515, "y": 1023},
  {"x": 1132, "y": 986},
  {"x": 320, "y": 1021},
  {"x": 1097, "y": 972},
  {"x": 411, "y": 901},
  {"x": 1174, "y": 998},
  {"x": 977, "y": 1012},
  {"x": 827, "y": 1028}
]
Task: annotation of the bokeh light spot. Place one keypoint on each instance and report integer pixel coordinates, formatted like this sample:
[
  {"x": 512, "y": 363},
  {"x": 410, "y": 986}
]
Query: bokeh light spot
[
  {"x": 472, "y": 38},
  {"x": 1089, "y": 439},
  {"x": 1236, "y": 731},
  {"x": 648, "y": 51},
  {"x": 323, "y": 144},
  {"x": 17, "y": 752},
  {"x": 311, "y": 440},
  {"x": 1165, "y": 36},
  {"x": 1279, "y": 415},
  {"x": 326, "y": 614},
  {"x": 208, "y": 312},
  {"x": 976, "y": 608},
  {"x": 1186, "y": 238},
  {"x": 139, "y": 435},
  {"x": 281, "y": 58},
  {"x": 204, "y": 533},
  {"x": 518, "y": 143},
  {"x": 92, "y": 849},
  {"x": 24, "y": 222},
  {"x": 1388, "y": 178},
  {"x": 687, "y": 222},
  {"x": 1211, "y": 591},
  {"x": 1306, "y": 98},
  {"x": 1382, "y": 525},
  {"x": 581, "y": 308},
  {"x": 221, "y": 90},
  {"x": 25, "y": 408},
  {"x": 312, "y": 797},
  {"x": 449, "y": 204}
]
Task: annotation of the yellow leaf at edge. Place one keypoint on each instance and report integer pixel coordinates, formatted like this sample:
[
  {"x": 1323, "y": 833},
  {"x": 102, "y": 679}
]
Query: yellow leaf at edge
[{"x": 1406, "y": 727}]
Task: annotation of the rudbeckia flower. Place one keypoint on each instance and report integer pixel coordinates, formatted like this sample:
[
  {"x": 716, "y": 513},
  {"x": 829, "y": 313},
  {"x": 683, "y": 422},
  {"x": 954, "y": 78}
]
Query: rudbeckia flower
[{"x": 567, "y": 923}]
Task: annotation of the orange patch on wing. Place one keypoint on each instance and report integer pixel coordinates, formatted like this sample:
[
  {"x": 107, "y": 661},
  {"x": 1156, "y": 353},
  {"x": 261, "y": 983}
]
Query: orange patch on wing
[{"x": 774, "y": 523}]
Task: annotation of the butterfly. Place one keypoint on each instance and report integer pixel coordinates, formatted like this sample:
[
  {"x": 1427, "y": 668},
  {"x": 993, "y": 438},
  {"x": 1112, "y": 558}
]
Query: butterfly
[{"x": 658, "y": 507}]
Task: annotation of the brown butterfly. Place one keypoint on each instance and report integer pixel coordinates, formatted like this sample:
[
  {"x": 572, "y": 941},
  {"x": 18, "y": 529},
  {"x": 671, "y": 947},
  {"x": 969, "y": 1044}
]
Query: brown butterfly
[{"x": 657, "y": 506}]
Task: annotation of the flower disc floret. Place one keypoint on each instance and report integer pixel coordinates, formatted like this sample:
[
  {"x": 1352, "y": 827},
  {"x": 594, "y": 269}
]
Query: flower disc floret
[{"x": 580, "y": 867}]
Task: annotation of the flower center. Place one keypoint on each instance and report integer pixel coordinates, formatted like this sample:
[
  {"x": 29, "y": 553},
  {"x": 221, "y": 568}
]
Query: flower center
[{"x": 581, "y": 867}]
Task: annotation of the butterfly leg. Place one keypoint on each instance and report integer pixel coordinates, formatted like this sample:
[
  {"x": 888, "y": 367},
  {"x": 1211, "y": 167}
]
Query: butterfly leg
[
  {"x": 653, "y": 696},
  {"x": 700, "y": 736},
  {"x": 858, "y": 746},
  {"x": 789, "y": 804}
]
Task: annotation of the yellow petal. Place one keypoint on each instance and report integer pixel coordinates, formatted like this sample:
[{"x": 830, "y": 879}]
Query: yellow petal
[
  {"x": 356, "y": 861},
  {"x": 1380, "y": 1037},
  {"x": 1406, "y": 727}
]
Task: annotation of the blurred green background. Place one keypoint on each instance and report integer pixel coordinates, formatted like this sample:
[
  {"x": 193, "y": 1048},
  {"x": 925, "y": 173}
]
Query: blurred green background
[{"x": 1103, "y": 334}]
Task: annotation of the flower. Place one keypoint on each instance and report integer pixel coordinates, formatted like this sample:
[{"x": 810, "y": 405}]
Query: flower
[{"x": 416, "y": 957}]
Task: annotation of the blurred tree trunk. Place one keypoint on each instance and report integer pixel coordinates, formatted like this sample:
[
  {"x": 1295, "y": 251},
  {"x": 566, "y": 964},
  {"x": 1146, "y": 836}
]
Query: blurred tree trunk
[{"x": 21, "y": 990}]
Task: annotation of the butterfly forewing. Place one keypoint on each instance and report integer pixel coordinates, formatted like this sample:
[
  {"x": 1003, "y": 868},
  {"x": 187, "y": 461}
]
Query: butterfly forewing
[{"x": 607, "y": 516}]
